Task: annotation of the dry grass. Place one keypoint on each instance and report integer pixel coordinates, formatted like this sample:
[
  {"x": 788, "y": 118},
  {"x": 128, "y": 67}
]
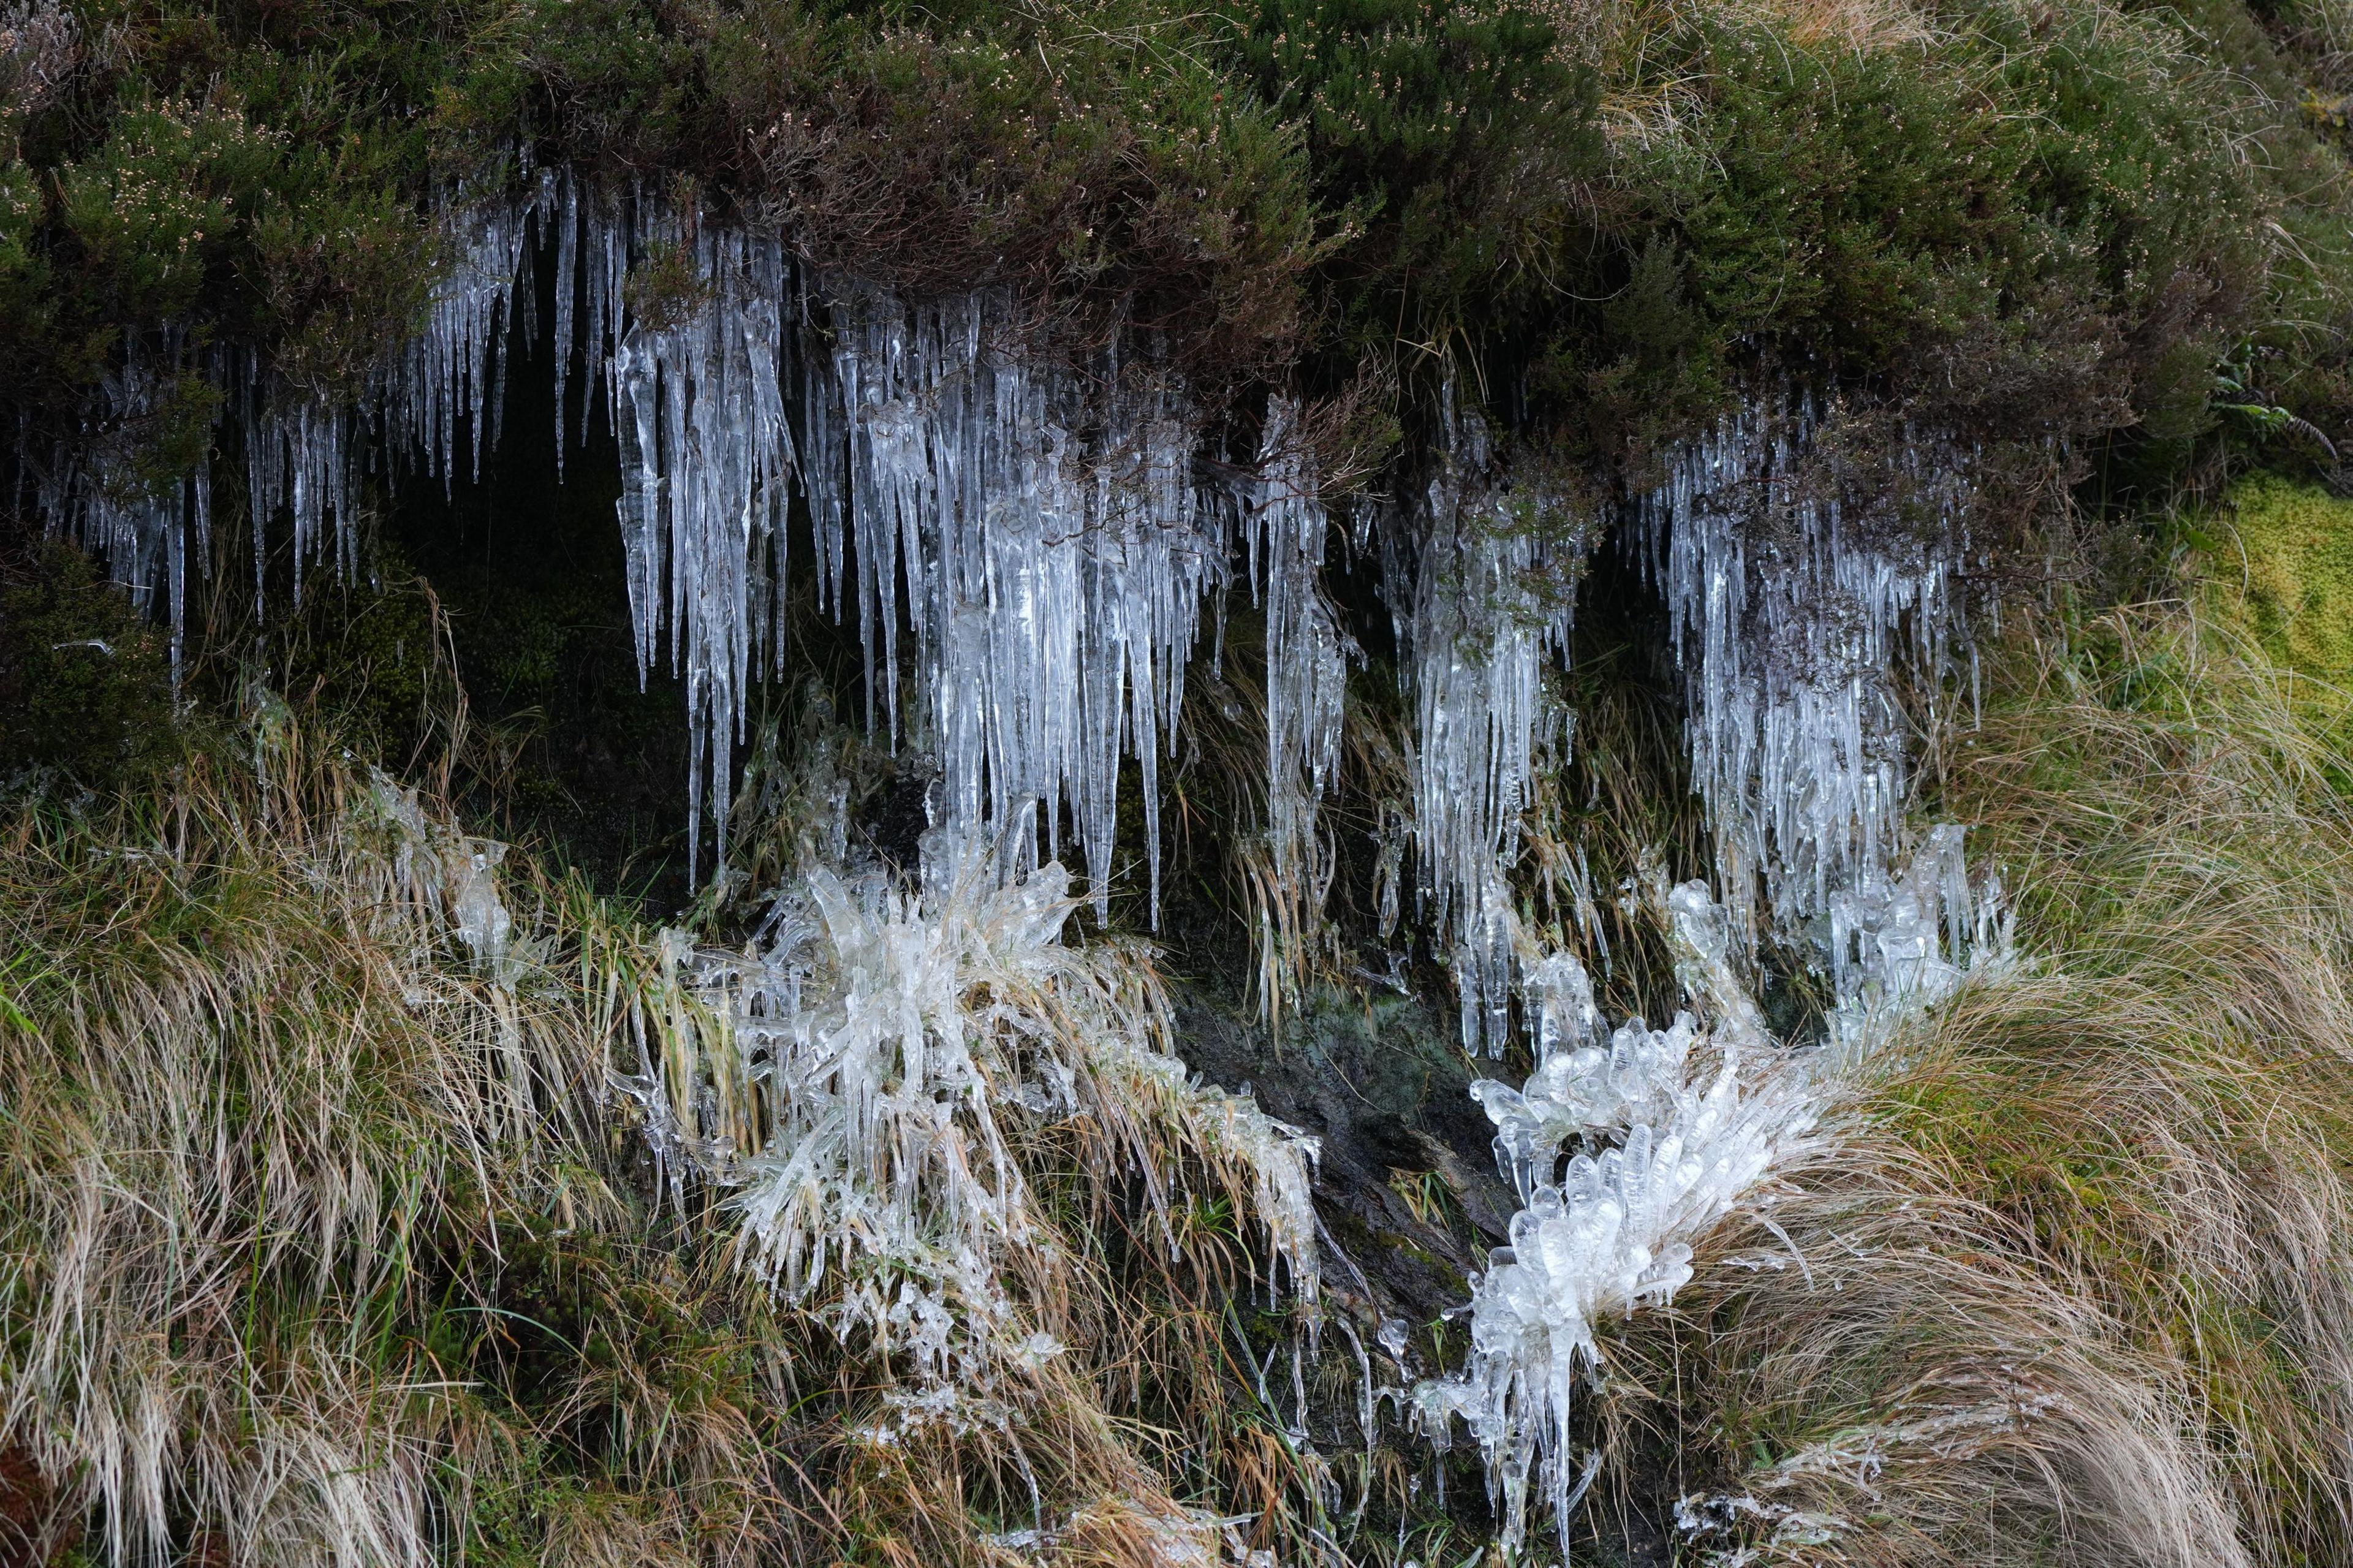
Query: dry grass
[
  {"x": 320, "y": 1244},
  {"x": 2074, "y": 1281},
  {"x": 277, "y": 1146}
]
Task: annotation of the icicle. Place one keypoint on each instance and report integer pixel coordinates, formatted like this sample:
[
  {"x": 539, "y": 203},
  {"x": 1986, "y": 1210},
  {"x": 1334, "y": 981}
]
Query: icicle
[
  {"x": 1052, "y": 545},
  {"x": 443, "y": 380},
  {"x": 1791, "y": 581},
  {"x": 1041, "y": 514},
  {"x": 559, "y": 217},
  {"x": 1306, "y": 661},
  {"x": 1492, "y": 600},
  {"x": 302, "y": 463},
  {"x": 95, "y": 491},
  {"x": 706, "y": 463}
]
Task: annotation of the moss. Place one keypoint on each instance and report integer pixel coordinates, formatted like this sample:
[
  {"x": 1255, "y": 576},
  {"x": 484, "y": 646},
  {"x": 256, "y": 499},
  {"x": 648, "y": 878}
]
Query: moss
[{"x": 2284, "y": 569}]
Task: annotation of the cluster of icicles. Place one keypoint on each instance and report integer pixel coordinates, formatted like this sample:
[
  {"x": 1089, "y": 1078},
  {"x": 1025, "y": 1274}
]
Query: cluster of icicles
[
  {"x": 1046, "y": 532},
  {"x": 1054, "y": 542}
]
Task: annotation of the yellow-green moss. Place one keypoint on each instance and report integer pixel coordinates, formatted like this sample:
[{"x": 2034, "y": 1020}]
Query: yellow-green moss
[{"x": 2283, "y": 568}]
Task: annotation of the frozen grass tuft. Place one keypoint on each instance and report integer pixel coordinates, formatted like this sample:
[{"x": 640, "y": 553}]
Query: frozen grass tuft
[{"x": 324, "y": 1239}]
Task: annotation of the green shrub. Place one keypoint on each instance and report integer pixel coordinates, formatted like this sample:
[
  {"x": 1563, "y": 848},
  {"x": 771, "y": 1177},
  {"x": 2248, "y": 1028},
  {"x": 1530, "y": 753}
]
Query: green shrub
[{"x": 85, "y": 679}]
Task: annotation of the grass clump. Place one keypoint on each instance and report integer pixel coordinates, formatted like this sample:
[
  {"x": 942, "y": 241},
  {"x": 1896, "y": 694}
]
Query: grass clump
[
  {"x": 2174, "y": 1130},
  {"x": 323, "y": 1238},
  {"x": 271, "y": 1127},
  {"x": 2073, "y": 1281}
]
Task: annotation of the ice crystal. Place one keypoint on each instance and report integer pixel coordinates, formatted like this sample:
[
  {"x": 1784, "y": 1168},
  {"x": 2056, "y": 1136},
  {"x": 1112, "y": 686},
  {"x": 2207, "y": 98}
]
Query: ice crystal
[
  {"x": 1903, "y": 941},
  {"x": 305, "y": 448},
  {"x": 866, "y": 1080},
  {"x": 447, "y": 383},
  {"x": 1626, "y": 1151},
  {"x": 1493, "y": 600},
  {"x": 1795, "y": 577},
  {"x": 302, "y": 464},
  {"x": 707, "y": 460},
  {"x": 1039, "y": 511},
  {"x": 1667, "y": 1147}
]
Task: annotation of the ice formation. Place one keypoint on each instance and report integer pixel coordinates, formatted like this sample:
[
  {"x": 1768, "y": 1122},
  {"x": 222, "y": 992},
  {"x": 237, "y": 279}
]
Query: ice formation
[
  {"x": 1039, "y": 512},
  {"x": 446, "y": 385},
  {"x": 1675, "y": 1129},
  {"x": 1492, "y": 601},
  {"x": 1032, "y": 518},
  {"x": 1053, "y": 547},
  {"x": 1904, "y": 938},
  {"x": 707, "y": 461},
  {"x": 1038, "y": 518},
  {"x": 1626, "y": 1150},
  {"x": 445, "y": 876},
  {"x": 865, "y": 1078},
  {"x": 305, "y": 449},
  {"x": 1794, "y": 582},
  {"x": 301, "y": 462},
  {"x": 1306, "y": 654},
  {"x": 95, "y": 489}
]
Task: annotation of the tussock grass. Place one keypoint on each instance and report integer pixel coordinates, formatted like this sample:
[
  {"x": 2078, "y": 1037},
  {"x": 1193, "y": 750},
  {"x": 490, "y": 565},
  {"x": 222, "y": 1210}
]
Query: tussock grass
[
  {"x": 272, "y": 1137},
  {"x": 2071, "y": 1282},
  {"x": 2168, "y": 1111},
  {"x": 324, "y": 1242}
]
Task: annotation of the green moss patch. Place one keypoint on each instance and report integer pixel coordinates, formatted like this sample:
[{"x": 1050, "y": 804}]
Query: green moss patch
[{"x": 2283, "y": 568}]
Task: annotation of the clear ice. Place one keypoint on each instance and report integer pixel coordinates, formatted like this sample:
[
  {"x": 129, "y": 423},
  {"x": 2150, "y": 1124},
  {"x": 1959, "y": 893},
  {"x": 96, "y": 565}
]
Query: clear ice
[
  {"x": 1043, "y": 523},
  {"x": 1492, "y": 599},
  {"x": 859, "y": 1080},
  {"x": 1667, "y": 1131},
  {"x": 1794, "y": 583},
  {"x": 1306, "y": 653},
  {"x": 1626, "y": 1149},
  {"x": 1038, "y": 518},
  {"x": 862, "y": 1082},
  {"x": 94, "y": 489}
]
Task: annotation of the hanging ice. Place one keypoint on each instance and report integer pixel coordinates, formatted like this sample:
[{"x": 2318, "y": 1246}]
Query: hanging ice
[
  {"x": 449, "y": 379},
  {"x": 1041, "y": 513},
  {"x": 145, "y": 526},
  {"x": 1794, "y": 579},
  {"x": 1306, "y": 670},
  {"x": 1492, "y": 599},
  {"x": 1052, "y": 543},
  {"x": 304, "y": 448},
  {"x": 301, "y": 456},
  {"x": 707, "y": 461}
]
